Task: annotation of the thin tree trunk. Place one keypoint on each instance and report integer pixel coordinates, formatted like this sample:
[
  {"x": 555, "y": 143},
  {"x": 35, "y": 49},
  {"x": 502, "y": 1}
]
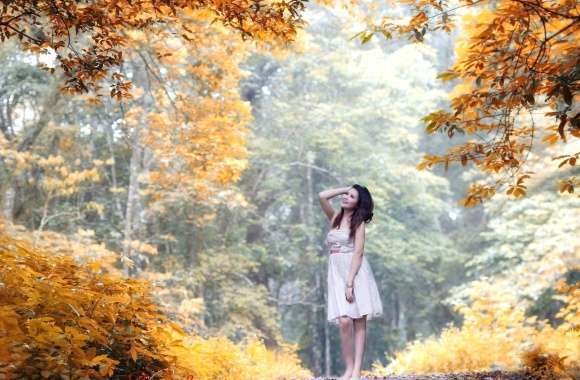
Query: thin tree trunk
[
  {"x": 8, "y": 202},
  {"x": 327, "y": 367},
  {"x": 317, "y": 342},
  {"x": 142, "y": 227},
  {"x": 308, "y": 210},
  {"x": 110, "y": 144},
  {"x": 402, "y": 321},
  {"x": 191, "y": 248},
  {"x": 132, "y": 199}
]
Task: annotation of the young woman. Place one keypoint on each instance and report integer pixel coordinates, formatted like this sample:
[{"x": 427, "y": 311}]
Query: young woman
[{"x": 353, "y": 296}]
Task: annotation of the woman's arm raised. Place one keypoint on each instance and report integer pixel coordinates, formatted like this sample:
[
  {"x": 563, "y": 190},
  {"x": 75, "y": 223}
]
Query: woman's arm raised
[{"x": 325, "y": 195}]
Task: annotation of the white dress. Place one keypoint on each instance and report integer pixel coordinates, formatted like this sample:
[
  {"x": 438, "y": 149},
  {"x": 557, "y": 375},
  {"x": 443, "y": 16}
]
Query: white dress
[{"x": 367, "y": 300}]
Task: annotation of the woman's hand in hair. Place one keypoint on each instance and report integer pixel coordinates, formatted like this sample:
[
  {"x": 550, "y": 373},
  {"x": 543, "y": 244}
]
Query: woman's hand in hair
[{"x": 323, "y": 197}]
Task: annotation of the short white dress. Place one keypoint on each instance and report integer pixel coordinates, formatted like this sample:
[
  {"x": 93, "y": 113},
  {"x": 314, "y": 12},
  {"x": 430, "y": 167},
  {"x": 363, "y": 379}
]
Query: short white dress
[{"x": 367, "y": 300}]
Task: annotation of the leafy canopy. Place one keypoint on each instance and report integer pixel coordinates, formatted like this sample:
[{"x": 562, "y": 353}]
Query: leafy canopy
[
  {"x": 514, "y": 57},
  {"x": 88, "y": 37}
]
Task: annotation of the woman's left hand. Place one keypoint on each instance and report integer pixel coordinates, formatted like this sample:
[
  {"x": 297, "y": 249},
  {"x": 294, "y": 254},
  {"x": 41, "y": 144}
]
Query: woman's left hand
[{"x": 349, "y": 293}]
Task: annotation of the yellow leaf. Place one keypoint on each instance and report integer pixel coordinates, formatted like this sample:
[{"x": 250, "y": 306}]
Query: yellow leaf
[
  {"x": 133, "y": 352},
  {"x": 551, "y": 139}
]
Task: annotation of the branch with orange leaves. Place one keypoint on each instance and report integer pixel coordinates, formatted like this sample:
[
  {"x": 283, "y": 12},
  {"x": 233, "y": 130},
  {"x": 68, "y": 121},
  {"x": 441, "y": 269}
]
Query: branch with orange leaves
[
  {"x": 51, "y": 25},
  {"x": 518, "y": 56}
]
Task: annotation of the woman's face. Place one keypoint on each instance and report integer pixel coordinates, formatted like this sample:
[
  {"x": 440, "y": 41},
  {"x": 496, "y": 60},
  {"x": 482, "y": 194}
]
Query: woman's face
[{"x": 350, "y": 199}]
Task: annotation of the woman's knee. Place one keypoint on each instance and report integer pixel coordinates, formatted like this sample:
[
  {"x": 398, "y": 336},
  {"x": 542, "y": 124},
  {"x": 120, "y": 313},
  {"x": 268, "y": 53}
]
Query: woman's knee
[
  {"x": 360, "y": 321},
  {"x": 345, "y": 322}
]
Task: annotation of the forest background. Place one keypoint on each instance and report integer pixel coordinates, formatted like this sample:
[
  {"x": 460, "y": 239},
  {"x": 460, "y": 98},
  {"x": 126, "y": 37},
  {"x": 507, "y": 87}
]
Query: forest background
[{"x": 203, "y": 176}]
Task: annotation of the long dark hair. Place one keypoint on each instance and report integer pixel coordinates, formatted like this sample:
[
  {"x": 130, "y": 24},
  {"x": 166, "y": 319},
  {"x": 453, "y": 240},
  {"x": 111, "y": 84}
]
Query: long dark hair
[{"x": 362, "y": 213}]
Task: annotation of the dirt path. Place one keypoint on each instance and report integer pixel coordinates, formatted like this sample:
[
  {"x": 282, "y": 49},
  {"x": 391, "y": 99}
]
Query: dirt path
[{"x": 487, "y": 375}]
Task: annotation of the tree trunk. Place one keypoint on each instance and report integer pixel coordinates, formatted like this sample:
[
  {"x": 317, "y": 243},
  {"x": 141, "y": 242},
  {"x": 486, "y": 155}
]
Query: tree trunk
[
  {"x": 402, "y": 321},
  {"x": 317, "y": 342},
  {"x": 255, "y": 229},
  {"x": 191, "y": 249},
  {"x": 8, "y": 202},
  {"x": 327, "y": 362},
  {"x": 110, "y": 134},
  {"x": 132, "y": 199}
]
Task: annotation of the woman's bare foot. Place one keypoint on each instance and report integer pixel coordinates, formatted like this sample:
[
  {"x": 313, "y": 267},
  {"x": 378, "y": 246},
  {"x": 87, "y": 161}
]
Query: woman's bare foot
[{"x": 355, "y": 376}]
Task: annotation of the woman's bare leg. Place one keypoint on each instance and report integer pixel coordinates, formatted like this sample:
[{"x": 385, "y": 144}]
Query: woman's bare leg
[
  {"x": 360, "y": 337},
  {"x": 346, "y": 338}
]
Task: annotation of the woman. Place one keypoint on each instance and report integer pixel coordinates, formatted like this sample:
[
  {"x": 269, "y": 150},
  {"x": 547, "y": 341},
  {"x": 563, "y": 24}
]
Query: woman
[{"x": 353, "y": 296}]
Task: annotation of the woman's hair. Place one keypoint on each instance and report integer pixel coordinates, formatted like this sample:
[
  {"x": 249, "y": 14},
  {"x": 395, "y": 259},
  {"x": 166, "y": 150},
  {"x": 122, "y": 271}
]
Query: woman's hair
[{"x": 362, "y": 213}]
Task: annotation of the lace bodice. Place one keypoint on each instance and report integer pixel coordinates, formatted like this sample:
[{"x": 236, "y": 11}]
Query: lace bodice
[{"x": 337, "y": 241}]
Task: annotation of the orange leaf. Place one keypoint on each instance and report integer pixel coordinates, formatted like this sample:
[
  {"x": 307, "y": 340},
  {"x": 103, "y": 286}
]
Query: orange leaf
[
  {"x": 133, "y": 352},
  {"x": 551, "y": 139}
]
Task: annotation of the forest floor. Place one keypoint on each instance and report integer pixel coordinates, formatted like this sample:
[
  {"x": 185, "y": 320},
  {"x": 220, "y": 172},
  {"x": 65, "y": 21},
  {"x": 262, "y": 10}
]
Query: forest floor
[{"x": 484, "y": 375}]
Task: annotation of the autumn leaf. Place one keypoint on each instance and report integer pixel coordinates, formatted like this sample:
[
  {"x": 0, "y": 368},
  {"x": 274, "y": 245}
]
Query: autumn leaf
[{"x": 448, "y": 75}]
